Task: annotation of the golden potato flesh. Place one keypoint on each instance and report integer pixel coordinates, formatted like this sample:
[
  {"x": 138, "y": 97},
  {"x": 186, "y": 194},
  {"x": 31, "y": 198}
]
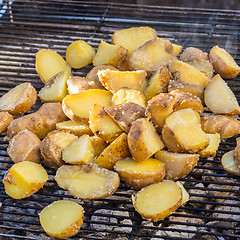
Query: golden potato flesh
[
  {"x": 140, "y": 174},
  {"x": 157, "y": 201},
  {"x": 177, "y": 165},
  {"x": 193, "y": 54},
  {"x": 237, "y": 153},
  {"x": 19, "y": 100},
  {"x": 203, "y": 66},
  {"x": 182, "y": 132},
  {"x": 177, "y": 49},
  {"x": 49, "y": 63},
  {"x": 62, "y": 219},
  {"x": 98, "y": 145},
  {"x": 79, "y": 54},
  {"x": 227, "y": 103},
  {"x": 223, "y": 63},
  {"x": 143, "y": 140},
  {"x": 185, "y": 195},
  {"x": 5, "y": 119},
  {"x": 24, "y": 179},
  {"x": 87, "y": 182},
  {"x": 229, "y": 163}
]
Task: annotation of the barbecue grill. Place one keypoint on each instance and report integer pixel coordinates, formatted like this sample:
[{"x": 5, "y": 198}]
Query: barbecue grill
[{"x": 213, "y": 211}]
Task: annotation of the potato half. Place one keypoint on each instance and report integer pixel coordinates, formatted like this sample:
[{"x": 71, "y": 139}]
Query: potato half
[
  {"x": 229, "y": 163},
  {"x": 5, "y": 119},
  {"x": 193, "y": 54}
]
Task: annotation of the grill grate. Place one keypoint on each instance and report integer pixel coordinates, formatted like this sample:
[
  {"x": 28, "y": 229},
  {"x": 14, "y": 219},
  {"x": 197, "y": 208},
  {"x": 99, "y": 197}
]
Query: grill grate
[{"x": 213, "y": 210}]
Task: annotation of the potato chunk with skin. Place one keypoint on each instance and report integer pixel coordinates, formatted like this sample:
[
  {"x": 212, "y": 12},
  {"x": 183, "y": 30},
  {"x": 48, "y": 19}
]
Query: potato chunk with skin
[
  {"x": 25, "y": 146},
  {"x": 185, "y": 195},
  {"x": 143, "y": 140},
  {"x": 157, "y": 201},
  {"x": 227, "y": 103},
  {"x": 203, "y": 66},
  {"x": 79, "y": 54},
  {"x": 98, "y": 145},
  {"x": 223, "y": 63},
  {"x": 229, "y": 164},
  {"x": 5, "y": 119},
  {"x": 24, "y": 179},
  {"x": 19, "y": 99},
  {"x": 49, "y": 63},
  {"x": 177, "y": 165},
  {"x": 87, "y": 182},
  {"x": 182, "y": 132},
  {"x": 62, "y": 219},
  {"x": 177, "y": 49},
  {"x": 237, "y": 153},
  {"x": 140, "y": 174},
  {"x": 193, "y": 54}
]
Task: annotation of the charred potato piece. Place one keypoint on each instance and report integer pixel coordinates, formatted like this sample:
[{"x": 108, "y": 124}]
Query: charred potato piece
[
  {"x": 87, "y": 182},
  {"x": 25, "y": 146},
  {"x": 98, "y": 145},
  {"x": 237, "y": 153},
  {"x": 62, "y": 219},
  {"x": 5, "y": 119},
  {"x": 223, "y": 63},
  {"x": 176, "y": 49},
  {"x": 229, "y": 164},
  {"x": 140, "y": 174},
  {"x": 24, "y": 179},
  {"x": 203, "y": 66},
  {"x": 19, "y": 100},
  {"x": 193, "y": 54},
  {"x": 40, "y": 123}
]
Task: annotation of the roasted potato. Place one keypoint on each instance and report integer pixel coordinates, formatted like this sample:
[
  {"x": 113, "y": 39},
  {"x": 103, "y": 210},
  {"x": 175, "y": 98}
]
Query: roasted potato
[
  {"x": 237, "y": 153},
  {"x": 229, "y": 164},
  {"x": 25, "y": 146},
  {"x": 40, "y": 123},
  {"x": 191, "y": 54},
  {"x": 203, "y": 66},
  {"x": 5, "y": 119},
  {"x": 123, "y": 65},
  {"x": 98, "y": 145},
  {"x": 19, "y": 99},
  {"x": 62, "y": 219},
  {"x": 185, "y": 195},
  {"x": 223, "y": 63},
  {"x": 140, "y": 174},
  {"x": 157, "y": 201},
  {"x": 176, "y": 49},
  {"x": 87, "y": 182},
  {"x": 24, "y": 179}
]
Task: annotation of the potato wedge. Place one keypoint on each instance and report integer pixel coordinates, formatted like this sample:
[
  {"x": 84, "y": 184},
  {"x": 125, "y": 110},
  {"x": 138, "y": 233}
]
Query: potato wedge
[
  {"x": 53, "y": 145},
  {"x": 237, "y": 153},
  {"x": 203, "y": 66},
  {"x": 143, "y": 140},
  {"x": 24, "y": 179},
  {"x": 223, "y": 63},
  {"x": 86, "y": 182},
  {"x": 229, "y": 163},
  {"x": 185, "y": 195},
  {"x": 140, "y": 174},
  {"x": 227, "y": 103},
  {"x": 19, "y": 99},
  {"x": 117, "y": 150},
  {"x": 62, "y": 219},
  {"x": 55, "y": 89},
  {"x": 25, "y": 146},
  {"x": 98, "y": 145},
  {"x": 86, "y": 100},
  {"x": 79, "y": 54},
  {"x": 115, "y": 80},
  {"x": 40, "y": 123},
  {"x": 177, "y": 165},
  {"x": 182, "y": 132},
  {"x": 191, "y": 54},
  {"x": 5, "y": 119},
  {"x": 49, "y": 63},
  {"x": 151, "y": 55},
  {"x": 177, "y": 49},
  {"x": 157, "y": 201}
]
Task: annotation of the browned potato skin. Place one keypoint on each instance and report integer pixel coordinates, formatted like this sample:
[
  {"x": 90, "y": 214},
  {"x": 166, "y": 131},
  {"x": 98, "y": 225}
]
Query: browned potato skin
[
  {"x": 25, "y": 146},
  {"x": 5, "y": 119},
  {"x": 237, "y": 153},
  {"x": 40, "y": 123},
  {"x": 193, "y": 54}
]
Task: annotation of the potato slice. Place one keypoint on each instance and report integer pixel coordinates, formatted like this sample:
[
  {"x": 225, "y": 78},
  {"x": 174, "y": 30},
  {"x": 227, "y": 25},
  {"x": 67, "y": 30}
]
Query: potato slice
[
  {"x": 125, "y": 114},
  {"x": 24, "y": 179},
  {"x": 133, "y": 38},
  {"x": 203, "y": 66},
  {"x": 157, "y": 201},
  {"x": 80, "y": 151},
  {"x": 227, "y": 103},
  {"x": 191, "y": 54},
  {"x": 79, "y": 54},
  {"x": 86, "y": 182},
  {"x": 229, "y": 163},
  {"x": 25, "y": 146},
  {"x": 185, "y": 195},
  {"x": 56, "y": 88},
  {"x": 86, "y": 100},
  {"x": 53, "y": 145},
  {"x": 151, "y": 55},
  {"x": 5, "y": 119},
  {"x": 237, "y": 153},
  {"x": 182, "y": 132},
  {"x": 223, "y": 63},
  {"x": 102, "y": 125},
  {"x": 117, "y": 150},
  {"x": 211, "y": 150},
  {"x": 187, "y": 73},
  {"x": 140, "y": 174},
  {"x": 19, "y": 100},
  {"x": 177, "y": 49},
  {"x": 115, "y": 80},
  {"x": 49, "y": 63},
  {"x": 143, "y": 140},
  {"x": 177, "y": 165},
  {"x": 62, "y": 219},
  {"x": 108, "y": 54},
  {"x": 157, "y": 83},
  {"x": 98, "y": 145}
]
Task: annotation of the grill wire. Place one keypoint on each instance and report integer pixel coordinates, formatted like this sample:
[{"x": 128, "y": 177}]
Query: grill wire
[{"x": 213, "y": 211}]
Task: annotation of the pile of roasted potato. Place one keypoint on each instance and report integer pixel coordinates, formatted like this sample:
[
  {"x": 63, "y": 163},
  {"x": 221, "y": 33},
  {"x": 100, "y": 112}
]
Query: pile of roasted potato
[{"x": 138, "y": 115}]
